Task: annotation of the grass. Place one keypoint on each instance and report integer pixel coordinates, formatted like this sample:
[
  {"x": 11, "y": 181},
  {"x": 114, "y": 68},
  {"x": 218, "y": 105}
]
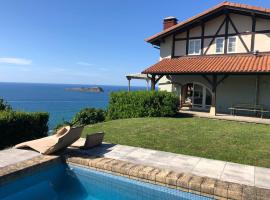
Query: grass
[{"x": 244, "y": 143}]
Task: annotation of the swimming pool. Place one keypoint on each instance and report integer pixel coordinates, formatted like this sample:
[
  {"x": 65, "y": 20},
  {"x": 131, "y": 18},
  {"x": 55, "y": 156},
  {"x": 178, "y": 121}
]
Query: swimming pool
[{"x": 72, "y": 182}]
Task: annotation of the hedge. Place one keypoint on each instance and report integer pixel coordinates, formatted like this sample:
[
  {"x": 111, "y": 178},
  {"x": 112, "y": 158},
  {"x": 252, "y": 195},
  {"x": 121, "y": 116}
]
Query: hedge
[
  {"x": 16, "y": 127},
  {"x": 142, "y": 104},
  {"x": 88, "y": 116}
]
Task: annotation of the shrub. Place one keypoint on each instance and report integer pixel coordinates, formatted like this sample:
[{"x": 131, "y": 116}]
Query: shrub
[
  {"x": 61, "y": 124},
  {"x": 88, "y": 116},
  {"x": 4, "y": 106},
  {"x": 142, "y": 104},
  {"x": 16, "y": 127}
]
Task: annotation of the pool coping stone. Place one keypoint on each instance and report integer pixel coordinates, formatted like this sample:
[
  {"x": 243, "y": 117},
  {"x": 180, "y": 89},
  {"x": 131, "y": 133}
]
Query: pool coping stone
[
  {"x": 184, "y": 181},
  {"x": 204, "y": 186}
]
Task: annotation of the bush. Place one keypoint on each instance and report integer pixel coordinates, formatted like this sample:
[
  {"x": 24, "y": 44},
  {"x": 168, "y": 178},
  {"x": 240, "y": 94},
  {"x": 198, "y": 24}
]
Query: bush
[
  {"x": 142, "y": 104},
  {"x": 16, "y": 127},
  {"x": 88, "y": 116},
  {"x": 4, "y": 106},
  {"x": 60, "y": 125}
]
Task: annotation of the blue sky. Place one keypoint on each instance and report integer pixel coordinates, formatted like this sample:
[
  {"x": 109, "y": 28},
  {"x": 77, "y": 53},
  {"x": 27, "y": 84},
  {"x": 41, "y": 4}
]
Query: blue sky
[{"x": 85, "y": 41}]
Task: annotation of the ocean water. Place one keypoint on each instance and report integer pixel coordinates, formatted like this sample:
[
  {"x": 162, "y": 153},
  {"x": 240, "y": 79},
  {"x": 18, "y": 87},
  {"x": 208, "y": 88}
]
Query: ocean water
[{"x": 55, "y": 99}]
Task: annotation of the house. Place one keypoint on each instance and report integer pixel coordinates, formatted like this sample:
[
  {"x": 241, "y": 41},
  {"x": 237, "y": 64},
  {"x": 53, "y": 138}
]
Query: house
[{"x": 217, "y": 59}]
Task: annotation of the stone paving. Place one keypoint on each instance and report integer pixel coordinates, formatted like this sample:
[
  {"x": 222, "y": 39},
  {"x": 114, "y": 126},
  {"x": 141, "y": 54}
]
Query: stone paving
[
  {"x": 227, "y": 117},
  {"x": 12, "y": 156},
  {"x": 221, "y": 170}
]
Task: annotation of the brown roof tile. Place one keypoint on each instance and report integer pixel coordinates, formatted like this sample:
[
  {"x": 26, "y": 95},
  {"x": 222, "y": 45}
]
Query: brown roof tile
[{"x": 245, "y": 63}]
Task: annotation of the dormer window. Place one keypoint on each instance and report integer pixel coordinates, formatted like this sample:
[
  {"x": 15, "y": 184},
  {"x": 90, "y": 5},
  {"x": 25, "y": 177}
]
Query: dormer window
[
  {"x": 219, "y": 45},
  {"x": 194, "y": 47},
  {"x": 232, "y": 44}
]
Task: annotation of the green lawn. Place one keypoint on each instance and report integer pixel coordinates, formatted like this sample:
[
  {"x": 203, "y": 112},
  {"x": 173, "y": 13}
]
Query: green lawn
[{"x": 244, "y": 143}]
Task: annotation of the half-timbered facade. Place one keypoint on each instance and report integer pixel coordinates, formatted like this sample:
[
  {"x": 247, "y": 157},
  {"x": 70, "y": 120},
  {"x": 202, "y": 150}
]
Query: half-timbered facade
[{"x": 216, "y": 59}]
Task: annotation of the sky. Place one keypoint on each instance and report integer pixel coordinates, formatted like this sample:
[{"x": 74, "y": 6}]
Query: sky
[{"x": 85, "y": 41}]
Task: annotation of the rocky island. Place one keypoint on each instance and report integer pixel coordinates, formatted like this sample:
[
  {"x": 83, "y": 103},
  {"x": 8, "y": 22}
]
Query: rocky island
[{"x": 86, "y": 89}]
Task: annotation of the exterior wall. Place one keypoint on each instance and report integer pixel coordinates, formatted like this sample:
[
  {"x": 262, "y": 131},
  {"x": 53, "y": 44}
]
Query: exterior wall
[
  {"x": 166, "y": 48},
  {"x": 212, "y": 26},
  {"x": 262, "y": 42},
  {"x": 264, "y": 90},
  {"x": 243, "y": 24},
  {"x": 233, "y": 90},
  {"x": 164, "y": 86}
]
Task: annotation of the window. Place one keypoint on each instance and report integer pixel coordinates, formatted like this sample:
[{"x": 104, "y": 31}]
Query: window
[
  {"x": 219, "y": 45},
  {"x": 231, "y": 44},
  {"x": 194, "y": 47}
]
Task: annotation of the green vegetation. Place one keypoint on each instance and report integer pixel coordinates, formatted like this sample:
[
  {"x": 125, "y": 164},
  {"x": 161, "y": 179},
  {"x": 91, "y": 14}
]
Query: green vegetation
[
  {"x": 142, "y": 104},
  {"x": 244, "y": 143},
  {"x": 16, "y": 127},
  {"x": 88, "y": 116},
  {"x": 4, "y": 106},
  {"x": 128, "y": 105}
]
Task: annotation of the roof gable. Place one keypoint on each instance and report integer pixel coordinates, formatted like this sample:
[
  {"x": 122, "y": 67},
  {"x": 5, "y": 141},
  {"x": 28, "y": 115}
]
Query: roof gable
[{"x": 209, "y": 13}]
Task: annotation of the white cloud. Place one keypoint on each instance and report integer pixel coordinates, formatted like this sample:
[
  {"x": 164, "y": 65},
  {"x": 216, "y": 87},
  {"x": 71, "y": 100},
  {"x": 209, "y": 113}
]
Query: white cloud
[
  {"x": 15, "y": 61},
  {"x": 84, "y": 64}
]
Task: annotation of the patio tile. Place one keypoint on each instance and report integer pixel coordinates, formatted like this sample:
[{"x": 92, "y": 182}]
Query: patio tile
[
  {"x": 162, "y": 157},
  {"x": 119, "y": 151},
  {"x": 262, "y": 177},
  {"x": 209, "y": 168},
  {"x": 238, "y": 173},
  {"x": 139, "y": 155},
  {"x": 11, "y": 156},
  {"x": 182, "y": 163}
]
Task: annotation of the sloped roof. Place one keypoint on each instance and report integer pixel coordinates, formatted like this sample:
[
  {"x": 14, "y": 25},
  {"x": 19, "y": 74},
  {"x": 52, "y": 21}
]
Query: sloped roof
[
  {"x": 245, "y": 63},
  {"x": 220, "y": 6}
]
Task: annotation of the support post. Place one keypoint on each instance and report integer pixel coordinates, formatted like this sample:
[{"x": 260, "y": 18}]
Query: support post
[
  {"x": 257, "y": 90},
  {"x": 214, "y": 90},
  {"x": 253, "y": 33},
  {"x": 226, "y": 33},
  {"x": 147, "y": 84},
  {"x": 153, "y": 82},
  {"x": 129, "y": 84}
]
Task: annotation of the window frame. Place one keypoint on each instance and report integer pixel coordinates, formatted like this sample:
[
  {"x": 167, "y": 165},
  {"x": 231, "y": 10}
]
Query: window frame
[
  {"x": 223, "y": 45},
  {"x": 229, "y": 43},
  {"x": 200, "y": 42}
]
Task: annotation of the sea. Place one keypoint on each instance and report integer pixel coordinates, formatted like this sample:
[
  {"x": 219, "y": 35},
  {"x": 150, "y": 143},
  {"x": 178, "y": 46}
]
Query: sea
[{"x": 61, "y": 104}]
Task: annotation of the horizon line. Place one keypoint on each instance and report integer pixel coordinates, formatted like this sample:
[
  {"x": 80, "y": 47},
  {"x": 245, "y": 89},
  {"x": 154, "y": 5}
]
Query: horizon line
[{"x": 69, "y": 84}]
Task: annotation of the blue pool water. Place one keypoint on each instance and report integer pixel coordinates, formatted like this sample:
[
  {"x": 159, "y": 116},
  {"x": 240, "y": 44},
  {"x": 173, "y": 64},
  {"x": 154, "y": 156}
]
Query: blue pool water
[{"x": 77, "y": 183}]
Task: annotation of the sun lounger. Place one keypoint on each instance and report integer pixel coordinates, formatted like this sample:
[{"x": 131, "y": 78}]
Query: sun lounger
[
  {"x": 48, "y": 145},
  {"x": 92, "y": 140}
]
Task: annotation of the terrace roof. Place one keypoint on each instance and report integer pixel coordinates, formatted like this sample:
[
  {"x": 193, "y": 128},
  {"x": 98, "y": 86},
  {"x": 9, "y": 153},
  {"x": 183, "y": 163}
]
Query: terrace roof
[{"x": 241, "y": 63}]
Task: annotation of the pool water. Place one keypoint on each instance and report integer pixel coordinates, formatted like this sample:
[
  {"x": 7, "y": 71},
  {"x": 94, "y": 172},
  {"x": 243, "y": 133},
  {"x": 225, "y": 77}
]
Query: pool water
[{"x": 78, "y": 183}]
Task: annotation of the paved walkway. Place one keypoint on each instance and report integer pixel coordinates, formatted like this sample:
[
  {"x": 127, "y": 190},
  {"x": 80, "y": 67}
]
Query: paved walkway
[
  {"x": 227, "y": 117},
  {"x": 12, "y": 156},
  {"x": 226, "y": 171}
]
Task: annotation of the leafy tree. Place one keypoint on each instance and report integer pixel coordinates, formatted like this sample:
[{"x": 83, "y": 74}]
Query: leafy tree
[{"x": 4, "y": 106}]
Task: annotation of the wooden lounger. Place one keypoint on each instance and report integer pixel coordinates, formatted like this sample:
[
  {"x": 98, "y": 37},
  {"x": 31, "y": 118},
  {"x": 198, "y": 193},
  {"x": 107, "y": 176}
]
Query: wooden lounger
[
  {"x": 48, "y": 145},
  {"x": 92, "y": 140}
]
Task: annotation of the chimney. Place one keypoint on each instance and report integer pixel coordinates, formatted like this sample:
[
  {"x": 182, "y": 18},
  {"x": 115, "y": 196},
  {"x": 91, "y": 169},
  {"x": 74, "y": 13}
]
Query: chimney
[{"x": 169, "y": 22}]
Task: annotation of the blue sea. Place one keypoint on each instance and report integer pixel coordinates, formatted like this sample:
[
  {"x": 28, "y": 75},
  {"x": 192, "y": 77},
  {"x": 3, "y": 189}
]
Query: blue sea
[{"x": 60, "y": 103}]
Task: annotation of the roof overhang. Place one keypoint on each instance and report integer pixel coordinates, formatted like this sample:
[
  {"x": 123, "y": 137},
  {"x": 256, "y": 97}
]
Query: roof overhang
[
  {"x": 225, "y": 7},
  {"x": 218, "y": 64}
]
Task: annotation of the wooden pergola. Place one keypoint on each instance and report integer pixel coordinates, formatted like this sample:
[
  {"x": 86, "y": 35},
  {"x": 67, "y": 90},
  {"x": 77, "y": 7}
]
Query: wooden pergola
[{"x": 139, "y": 76}]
